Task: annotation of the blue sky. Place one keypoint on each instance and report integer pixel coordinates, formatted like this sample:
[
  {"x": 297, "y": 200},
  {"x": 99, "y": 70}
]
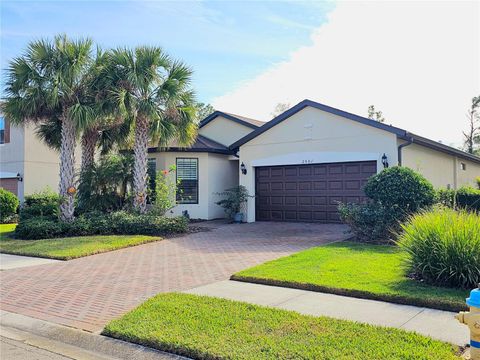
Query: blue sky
[{"x": 225, "y": 42}]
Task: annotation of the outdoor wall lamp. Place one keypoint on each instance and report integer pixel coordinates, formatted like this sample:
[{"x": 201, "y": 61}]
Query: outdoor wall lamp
[
  {"x": 243, "y": 168},
  {"x": 385, "y": 161},
  {"x": 19, "y": 177}
]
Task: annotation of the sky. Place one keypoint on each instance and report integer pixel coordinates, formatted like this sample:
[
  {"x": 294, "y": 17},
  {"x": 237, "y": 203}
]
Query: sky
[{"x": 417, "y": 62}]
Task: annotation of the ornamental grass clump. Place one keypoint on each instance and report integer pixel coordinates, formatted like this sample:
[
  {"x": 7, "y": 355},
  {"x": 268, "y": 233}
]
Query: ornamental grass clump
[{"x": 443, "y": 247}]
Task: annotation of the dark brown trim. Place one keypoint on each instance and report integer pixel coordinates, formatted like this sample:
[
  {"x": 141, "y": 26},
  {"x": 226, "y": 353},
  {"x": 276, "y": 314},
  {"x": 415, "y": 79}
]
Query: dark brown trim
[{"x": 6, "y": 131}]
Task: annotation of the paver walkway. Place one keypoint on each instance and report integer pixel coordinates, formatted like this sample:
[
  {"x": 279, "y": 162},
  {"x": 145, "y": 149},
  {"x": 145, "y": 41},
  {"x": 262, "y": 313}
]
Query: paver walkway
[
  {"x": 88, "y": 292},
  {"x": 434, "y": 323}
]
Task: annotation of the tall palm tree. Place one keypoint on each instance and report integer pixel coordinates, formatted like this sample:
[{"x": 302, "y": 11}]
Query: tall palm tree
[
  {"x": 48, "y": 83},
  {"x": 154, "y": 93}
]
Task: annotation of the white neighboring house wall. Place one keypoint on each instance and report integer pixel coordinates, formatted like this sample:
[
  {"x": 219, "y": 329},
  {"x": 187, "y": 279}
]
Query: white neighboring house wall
[{"x": 314, "y": 136}]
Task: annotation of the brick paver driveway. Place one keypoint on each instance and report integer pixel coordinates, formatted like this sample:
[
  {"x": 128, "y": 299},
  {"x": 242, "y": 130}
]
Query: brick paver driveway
[{"x": 86, "y": 293}]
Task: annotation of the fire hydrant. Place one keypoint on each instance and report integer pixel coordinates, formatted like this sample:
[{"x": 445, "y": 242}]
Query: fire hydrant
[{"x": 472, "y": 320}]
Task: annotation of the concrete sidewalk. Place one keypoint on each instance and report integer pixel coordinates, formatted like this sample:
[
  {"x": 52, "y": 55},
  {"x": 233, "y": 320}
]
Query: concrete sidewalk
[
  {"x": 437, "y": 324},
  {"x": 8, "y": 261}
]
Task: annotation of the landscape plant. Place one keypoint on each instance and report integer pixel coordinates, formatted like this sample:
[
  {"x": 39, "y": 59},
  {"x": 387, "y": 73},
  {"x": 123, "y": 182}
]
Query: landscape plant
[
  {"x": 394, "y": 194},
  {"x": 467, "y": 198},
  {"x": 8, "y": 205},
  {"x": 42, "y": 205},
  {"x": 234, "y": 200},
  {"x": 51, "y": 81},
  {"x": 443, "y": 247},
  {"x": 153, "y": 92},
  {"x": 165, "y": 189}
]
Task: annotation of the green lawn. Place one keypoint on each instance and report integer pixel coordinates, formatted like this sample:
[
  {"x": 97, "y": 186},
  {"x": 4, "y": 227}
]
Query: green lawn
[
  {"x": 67, "y": 248},
  {"x": 353, "y": 269},
  {"x": 211, "y": 328}
]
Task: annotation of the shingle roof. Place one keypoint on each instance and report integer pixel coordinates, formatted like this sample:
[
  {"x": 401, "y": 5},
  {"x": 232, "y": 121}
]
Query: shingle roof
[{"x": 201, "y": 144}]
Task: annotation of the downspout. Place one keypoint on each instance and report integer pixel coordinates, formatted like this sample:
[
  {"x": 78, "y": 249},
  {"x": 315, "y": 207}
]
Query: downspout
[{"x": 401, "y": 146}]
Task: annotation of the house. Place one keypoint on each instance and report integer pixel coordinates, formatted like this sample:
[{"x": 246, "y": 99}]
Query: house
[
  {"x": 299, "y": 165},
  {"x": 303, "y": 162},
  {"x": 27, "y": 165}
]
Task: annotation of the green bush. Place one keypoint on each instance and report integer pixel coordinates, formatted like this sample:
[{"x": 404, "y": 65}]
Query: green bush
[
  {"x": 372, "y": 222},
  {"x": 467, "y": 198},
  {"x": 44, "y": 204},
  {"x": 8, "y": 205},
  {"x": 444, "y": 247},
  {"x": 477, "y": 181},
  {"x": 39, "y": 228},
  {"x": 402, "y": 187},
  {"x": 120, "y": 222}
]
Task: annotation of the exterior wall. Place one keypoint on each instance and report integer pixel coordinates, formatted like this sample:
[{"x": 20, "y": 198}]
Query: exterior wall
[
  {"x": 37, "y": 163},
  {"x": 224, "y": 131},
  {"x": 441, "y": 169},
  {"x": 215, "y": 174},
  {"x": 12, "y": 155},
  {"x": 314, "y": 136}
]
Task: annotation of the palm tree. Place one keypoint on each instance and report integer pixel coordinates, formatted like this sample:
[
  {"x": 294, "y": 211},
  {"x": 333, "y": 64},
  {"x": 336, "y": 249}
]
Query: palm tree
[
  {"x": 154, "y": 93},
  {"x": 48, "y": 84}
]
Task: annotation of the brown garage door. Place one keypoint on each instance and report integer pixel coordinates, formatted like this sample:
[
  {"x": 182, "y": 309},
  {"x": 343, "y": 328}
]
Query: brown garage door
[{"x": 309, "y": 192}]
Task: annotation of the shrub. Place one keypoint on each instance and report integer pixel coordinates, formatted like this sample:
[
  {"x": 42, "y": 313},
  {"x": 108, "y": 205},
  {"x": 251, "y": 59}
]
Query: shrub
[
  {"x": 444, "y": 247},
  {"x": 467, "y": 198},
  {"x": 402, "y": 187},
  {"x": 372, "y": 222},
  {"x": 44, "y": 204},
  {"x": 104, "y": 187},
  {"x": 235, "y": 199},
  {"x": 8, "y": 205},
  {"x": 477, "y": 181},
  {"x": 120, "y": 222},
  {"x": 39, "y": 228},
  {"x": 165, "y": 190}
]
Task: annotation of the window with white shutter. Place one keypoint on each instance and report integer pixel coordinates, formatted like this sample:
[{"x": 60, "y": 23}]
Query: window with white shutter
[{"x": 187, "y": 179}]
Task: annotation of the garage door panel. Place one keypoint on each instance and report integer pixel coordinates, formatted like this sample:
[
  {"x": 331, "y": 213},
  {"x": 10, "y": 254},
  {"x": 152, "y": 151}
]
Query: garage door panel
[{"x": 310, "y": 192}]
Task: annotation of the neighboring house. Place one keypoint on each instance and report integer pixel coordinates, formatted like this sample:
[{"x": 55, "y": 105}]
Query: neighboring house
[
  {"x": 27, "y": 165},
  {"x": 298, "y": 165}
]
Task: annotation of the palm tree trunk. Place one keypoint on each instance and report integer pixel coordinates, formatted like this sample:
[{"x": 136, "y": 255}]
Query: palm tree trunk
[
  {"x": 89, "y": 143},
  {"x": 140, "y": 150},
  {"x": 67, "y": 169}
]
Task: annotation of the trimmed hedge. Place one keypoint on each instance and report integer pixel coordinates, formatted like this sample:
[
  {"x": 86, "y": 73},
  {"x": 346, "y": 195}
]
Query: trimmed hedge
[
  {"x": 400, "y": 187},
  {"x": 121, "y": 223},
  {"x": 395, "y": 193},
  {"x": 8, "y": 205},
  {"x": 467, "y": 198},
  {"x": 43, "y": 205}
]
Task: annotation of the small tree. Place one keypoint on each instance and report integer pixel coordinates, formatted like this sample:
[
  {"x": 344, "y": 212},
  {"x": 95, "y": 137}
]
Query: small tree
[
  {"x": 472, "y": 136},
  {"x": 203, "y": 110},
  {"x": 375, "y": 115}
]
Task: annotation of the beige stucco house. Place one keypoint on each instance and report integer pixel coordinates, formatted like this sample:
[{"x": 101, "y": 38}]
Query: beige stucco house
[
  {"x": 299, "y": 165},
  {"x": 26, "y": 164}
]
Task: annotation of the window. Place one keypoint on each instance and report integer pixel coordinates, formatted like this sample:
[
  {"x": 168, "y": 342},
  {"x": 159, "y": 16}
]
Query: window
[
  {"x": 2, "y": 130},
  {"x": 152, "y": 174},
  {"x": 463, "y": 166},
  {"x": 187, "y": 179}
]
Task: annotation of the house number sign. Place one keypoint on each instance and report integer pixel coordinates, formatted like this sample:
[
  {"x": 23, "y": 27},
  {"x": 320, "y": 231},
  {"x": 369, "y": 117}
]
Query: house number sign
[{"x": 307, "y": 161}]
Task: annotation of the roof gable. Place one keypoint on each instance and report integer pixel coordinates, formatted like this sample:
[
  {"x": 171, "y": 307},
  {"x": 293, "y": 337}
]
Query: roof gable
[
  {"x": 400, "y": 133},
  {"x": 242, "y": 120}
]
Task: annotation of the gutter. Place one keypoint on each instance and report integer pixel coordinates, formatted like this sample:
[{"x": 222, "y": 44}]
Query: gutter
[{"x": 401, "y": 146}]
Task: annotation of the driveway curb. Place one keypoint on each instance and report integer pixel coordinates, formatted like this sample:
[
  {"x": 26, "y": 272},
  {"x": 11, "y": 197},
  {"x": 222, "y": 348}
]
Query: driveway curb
[{"x": 102, "y": 346}]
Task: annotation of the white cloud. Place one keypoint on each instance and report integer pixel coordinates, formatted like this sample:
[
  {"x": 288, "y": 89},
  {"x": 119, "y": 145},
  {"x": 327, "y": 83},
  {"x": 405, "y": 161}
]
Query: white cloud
[{"x": 418, "y": 62}]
